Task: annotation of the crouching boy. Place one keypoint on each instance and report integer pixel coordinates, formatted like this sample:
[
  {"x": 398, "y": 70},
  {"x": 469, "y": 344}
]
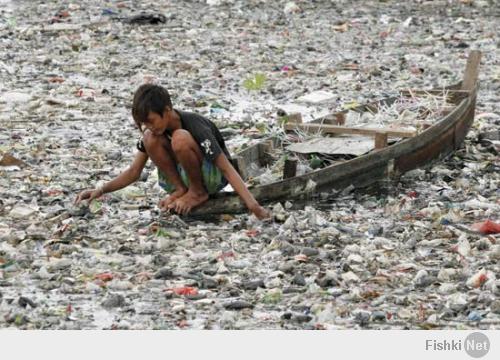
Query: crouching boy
[{"x": 188, "y": 151}]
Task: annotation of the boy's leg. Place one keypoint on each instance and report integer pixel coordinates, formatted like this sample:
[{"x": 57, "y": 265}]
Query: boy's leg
[
  {"x": 161, "y": 153},
  {"x": 188, "y": 153}
]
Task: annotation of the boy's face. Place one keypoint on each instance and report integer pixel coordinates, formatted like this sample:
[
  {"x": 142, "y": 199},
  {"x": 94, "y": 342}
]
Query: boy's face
[{"x": 155, "y": 123}]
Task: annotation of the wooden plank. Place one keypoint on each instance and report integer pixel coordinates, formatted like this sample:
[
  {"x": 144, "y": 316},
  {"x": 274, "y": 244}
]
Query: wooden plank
[
  {"x": 250, "y": 154},
  {"x": 471, "y": 70},
  {"x": 333, "y": 129},
  {"x": 443, "y": 144},
  {"x": 258, "y": 153},
  {"x": 340, "y": 119},
  {"x": 265, "y": 149},
  {"x": 462, "y": 128},
  {"x": 241, "y": 166},
  {"x": 380, "y": 140},
  {"x": 290, "y": 168},
  {"x": 426, "y": 125}
]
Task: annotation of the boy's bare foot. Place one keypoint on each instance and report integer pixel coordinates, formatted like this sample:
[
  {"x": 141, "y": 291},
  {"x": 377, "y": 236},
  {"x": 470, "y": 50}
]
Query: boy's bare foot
[
  {"x": 188, "y": 201},
  {"x": 167, "y": 200}
]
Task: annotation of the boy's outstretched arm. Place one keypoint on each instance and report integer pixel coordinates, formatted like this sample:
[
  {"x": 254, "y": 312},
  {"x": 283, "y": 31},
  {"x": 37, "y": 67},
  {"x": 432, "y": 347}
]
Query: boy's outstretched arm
[
  {"x": 239, "y": 186},
  {"x": 127, "y": 177}
]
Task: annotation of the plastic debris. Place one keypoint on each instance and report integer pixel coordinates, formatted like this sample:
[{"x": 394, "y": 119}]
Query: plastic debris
[
  {"x": 394, "y": 256},
  {"x": 144, "y": 18},
  {"x": 186, "y": 290},
  {"x": 487, "y": 227}
]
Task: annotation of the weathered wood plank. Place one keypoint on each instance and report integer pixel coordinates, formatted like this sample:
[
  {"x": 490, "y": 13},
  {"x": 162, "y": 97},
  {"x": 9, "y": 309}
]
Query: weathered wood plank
[
  {"x": 380, "y": 140},
  {"x": 471, "y": 70},
  {"x": 290, "y": 168},
  {"x": 250, "y": 154},
  {"x": 333, "y": 129},
  {"x": 241, "y": 166},
  {"x": 265, "y": 150}
]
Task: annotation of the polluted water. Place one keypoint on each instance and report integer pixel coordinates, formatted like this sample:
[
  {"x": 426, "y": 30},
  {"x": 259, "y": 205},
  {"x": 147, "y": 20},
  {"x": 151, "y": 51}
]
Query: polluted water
[{"x": 419, "y": 253}]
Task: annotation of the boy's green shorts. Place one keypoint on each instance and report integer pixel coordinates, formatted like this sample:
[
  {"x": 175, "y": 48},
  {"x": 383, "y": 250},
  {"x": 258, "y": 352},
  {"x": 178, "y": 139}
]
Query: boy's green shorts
[{"x": 213, "y": 179}]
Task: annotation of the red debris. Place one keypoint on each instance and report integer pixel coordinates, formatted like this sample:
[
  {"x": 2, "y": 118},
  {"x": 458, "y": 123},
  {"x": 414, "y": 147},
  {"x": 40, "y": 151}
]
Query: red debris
[
  {"x": 252, "y": 232},
  {"x": 226, "y": 254},
  {"x": 63, "y": 14},
  {"x": 384, "y": 34},
  {"x": 62, "y": 229},
  {"x": 319, "y": 326},
  {"x": 487, "y": 227},
  {"x": 52, "y": 192},
  {"x": 301, "y": 257},
  {"x": 182, "y": 323},
  {"x": 412, "y": 194},
  {"x": 482, "y": 279},
  {"x": 85, "y": 93},
  {"x": 421, "y": 312},
  {"x": 104, "y": 277},
  {"x": 185, "y": 290}
]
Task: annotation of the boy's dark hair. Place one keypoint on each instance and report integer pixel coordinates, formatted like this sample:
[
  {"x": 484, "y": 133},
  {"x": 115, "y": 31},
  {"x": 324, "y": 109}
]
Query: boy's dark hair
[{"x": 149, "y": 97}]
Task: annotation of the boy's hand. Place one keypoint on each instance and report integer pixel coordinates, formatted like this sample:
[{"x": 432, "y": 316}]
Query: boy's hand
[
  {"x": 260, "y": 212},
  {"x": 88, "y": 195}
]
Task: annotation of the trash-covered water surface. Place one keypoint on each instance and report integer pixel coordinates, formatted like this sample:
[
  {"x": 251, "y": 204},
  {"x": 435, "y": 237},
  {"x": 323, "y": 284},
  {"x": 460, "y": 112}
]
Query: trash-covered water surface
[{"x": 422, "y": 253}]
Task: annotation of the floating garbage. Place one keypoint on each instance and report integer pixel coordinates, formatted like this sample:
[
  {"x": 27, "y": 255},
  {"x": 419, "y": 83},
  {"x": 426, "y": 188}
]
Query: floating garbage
[
  {"x": 392, "y": 256},
  {"x": 487, "y": 227}
]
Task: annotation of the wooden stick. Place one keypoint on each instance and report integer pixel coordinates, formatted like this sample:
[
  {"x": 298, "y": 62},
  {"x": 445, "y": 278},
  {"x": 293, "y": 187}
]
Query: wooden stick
[
  {"x": 265, "y": 150},
  {"x": 333, "y": 129},
  {"x": 290, "y": 168},
  {"x": 380, "y": 140},
  {"x": 340, "y": 118}
]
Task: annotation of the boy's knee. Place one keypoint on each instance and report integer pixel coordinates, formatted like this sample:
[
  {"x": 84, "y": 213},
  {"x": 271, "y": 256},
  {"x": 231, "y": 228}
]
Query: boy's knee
[
  {"x": 181, "y": 140},
  {"x": 151, "y": 140}
]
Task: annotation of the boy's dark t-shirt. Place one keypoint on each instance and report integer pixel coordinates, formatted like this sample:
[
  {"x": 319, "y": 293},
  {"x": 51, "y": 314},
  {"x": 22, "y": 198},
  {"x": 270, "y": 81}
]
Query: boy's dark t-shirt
[{"x": 205, "y": 133}]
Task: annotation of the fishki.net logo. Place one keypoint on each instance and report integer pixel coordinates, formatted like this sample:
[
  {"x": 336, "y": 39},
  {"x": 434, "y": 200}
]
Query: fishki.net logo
[{"x": 475, "y": 345}]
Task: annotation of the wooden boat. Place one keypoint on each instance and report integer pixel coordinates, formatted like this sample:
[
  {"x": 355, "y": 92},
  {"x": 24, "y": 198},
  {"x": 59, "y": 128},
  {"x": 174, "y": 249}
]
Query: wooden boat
[{"x": 435, "y": 141}]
